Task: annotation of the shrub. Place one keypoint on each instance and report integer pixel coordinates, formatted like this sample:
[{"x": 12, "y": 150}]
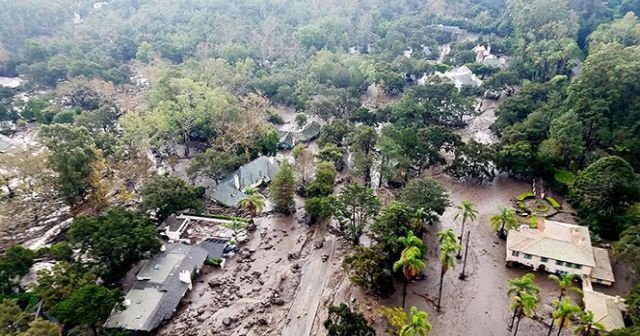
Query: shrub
[
  {"x": 553, "y": 202},
  {"x": 215, "y": 262},
  {"x": 524, "y": 196},
  {"x": 563, "y": 180}
]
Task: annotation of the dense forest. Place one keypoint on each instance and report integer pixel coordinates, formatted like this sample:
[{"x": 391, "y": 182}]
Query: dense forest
[{"x": 201, "y": 84}]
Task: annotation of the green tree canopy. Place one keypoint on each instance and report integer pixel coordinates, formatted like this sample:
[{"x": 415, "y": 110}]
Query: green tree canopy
[{"x": 167, "y": 195}]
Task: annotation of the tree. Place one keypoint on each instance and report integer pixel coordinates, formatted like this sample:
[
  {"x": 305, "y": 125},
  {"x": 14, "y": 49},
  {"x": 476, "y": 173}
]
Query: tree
[
  {"x": 254, "y": 202},
  {"x": 15, "y": 264},
  {"x": 447, "y": 261},
  {"x": 236, "y": 227},
  {"x": 13, "y": 320},
  {"x": 303, "y": 165},
  {"x": 516, "y": 159},
  {"x": 283, "y": 188},
  {"x": 144, "y": 52},
  {"x": 214, "y": 164},
  {"x": 114, "y": 241},
  {"x": 563, "y": 314},
  {"x": 332, "y": 153},
  {"x": 524, "y": 285},
  {"x": 88, "y": 306},
  {"x": 354, "y": 207},
  {"x": 396, "y": 318},
  {"x": 322, "y": 186},
  {"x": 565, "y": 143},
  {"x": 301, "y": 119},
  {"x": 363, "y": 149},
  {"x": 411, "y": 264},
  {"x": 587, "y": 326},
  {"x": 319, "y": 208},
  {"x": 565, "y": 283},
  {"x": 393, "y": 222},
  {"x": 367, "y": 268},
  {"x": 418, "y": 324},
  {"x": 504, "y": 221},
  {"x": 342, "y": 321},
  {"x": 40, "y": 327},
  {"x": 467, "y": 211},
  {"x": 633, "y": 305},
  {"x": 427, "y": 194},
  {"x": 167, "y": 195},
  {"x": 602, "y": 192},
  {"x": 474, "y": 162},
  {"x": 524, "y": 304},
  {"x": 73, "y": 157},
  {"x": 335, "y": 132},
  {"x": 57, "y": 284},
  {"x": 628, "y": 248}
]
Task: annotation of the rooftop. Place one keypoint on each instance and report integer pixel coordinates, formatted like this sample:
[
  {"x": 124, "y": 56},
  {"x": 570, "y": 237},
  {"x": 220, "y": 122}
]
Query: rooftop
[
  {"x": 555, "y": 240},
  {"x": 229, "y": 192},
  {"x": 159, "y": 289},
  {"x": 602, "y": 270},
  {"x": 606, "y": 309}
]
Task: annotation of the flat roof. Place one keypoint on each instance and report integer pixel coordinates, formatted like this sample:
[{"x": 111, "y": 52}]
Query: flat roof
[
  {"x": 140, "y": 307},
  {"x": 158, "y": 269},
  {"x": 603, "y": 270}
]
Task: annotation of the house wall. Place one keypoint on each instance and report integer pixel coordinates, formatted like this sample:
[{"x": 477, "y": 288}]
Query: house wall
[{"x": 550, "y": 265}]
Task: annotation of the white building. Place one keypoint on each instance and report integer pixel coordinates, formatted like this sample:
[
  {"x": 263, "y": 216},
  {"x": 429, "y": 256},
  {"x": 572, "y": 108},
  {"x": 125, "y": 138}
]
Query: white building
[
  {"x": 607, "y": 310},
  {"x": 461, "y": 76},
  {"x": 558, "y": 247}
]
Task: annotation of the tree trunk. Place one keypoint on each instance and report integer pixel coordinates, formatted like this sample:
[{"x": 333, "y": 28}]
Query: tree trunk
[
  {"x": 460, "y": 240},
  {"x": 404, "y": 293},
  {"x": 515, "y": 332},
  {"x": 185, "y": 138},
  {"x": 513, "y": 318},
  {"x": 440, "y": 290},
  {"x": 560, "y": 327},
  {"x": 551, "y": 327}
]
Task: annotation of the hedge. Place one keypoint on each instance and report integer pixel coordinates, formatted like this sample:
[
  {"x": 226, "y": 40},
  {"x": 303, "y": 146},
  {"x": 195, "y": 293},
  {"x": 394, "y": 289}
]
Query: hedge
[
  {"x": 524, "y": 196},
  {"x": 553, "y": 202}
]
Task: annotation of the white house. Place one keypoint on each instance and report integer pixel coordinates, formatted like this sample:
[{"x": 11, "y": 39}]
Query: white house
[
  {"x": 559, "y": 248},
  {"x": 461, "y": 76},
  {"x": 606, "y": 309}
]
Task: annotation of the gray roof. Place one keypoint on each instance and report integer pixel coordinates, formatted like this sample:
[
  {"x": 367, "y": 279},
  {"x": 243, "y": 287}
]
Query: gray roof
[
  {"x": 308, "y": 133},
  {"x": 172, "y": 223},
  {"x": 214, "y": 247},
  {"x": 260, "y": 170},
  {"x": 158, "y": 291},
  {"x": 606, "y": 309}
]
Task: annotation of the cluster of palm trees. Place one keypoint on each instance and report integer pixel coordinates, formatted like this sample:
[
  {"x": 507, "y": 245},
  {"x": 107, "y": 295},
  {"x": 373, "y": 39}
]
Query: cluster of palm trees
[
  {"x": 525, "y": 304},
  {"x": 416, "y": 324},
  {"x": 411, "y": 260}
]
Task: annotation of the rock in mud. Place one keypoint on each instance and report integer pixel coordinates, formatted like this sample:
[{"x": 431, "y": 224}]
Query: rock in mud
[{"x": 319, "y": 243}]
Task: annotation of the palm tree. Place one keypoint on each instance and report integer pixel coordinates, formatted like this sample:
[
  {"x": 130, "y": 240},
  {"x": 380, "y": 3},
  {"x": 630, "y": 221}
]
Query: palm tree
[
  {"x": 411, "y": 264},
  {"x": 587, "y": 326},
  {"x": 518, "y": 285},
  {"x": 447, "y": 236},
  {"x": 418, "y": 325},
  {"x": 563, "y": 313},
  {"x": 565, "y": 282},
  {"x": 420, "y": 218},
  {"x": 468, "y": 212},
  {"x": 254, "y": 202},
  {"x": 413, "y": 240},
  {"x": 235, "y": 226},
  {"x": 523, "y": 304},
  {"x": 447, "y": 248},
  {"x": 503, "y": 222}
]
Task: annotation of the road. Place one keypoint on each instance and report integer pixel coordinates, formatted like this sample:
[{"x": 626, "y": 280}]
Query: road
[{"x": 315, "y": 274}]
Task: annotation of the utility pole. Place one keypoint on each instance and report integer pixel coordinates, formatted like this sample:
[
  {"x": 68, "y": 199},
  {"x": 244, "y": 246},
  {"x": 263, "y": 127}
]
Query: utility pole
[{"x": 466, "y": 251}]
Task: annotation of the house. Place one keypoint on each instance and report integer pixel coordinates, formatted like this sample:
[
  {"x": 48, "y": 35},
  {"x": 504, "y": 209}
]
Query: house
[
  {"x": 559, "y": 248},
  {"x": 484, "y": 56},
  {"x": 455, "y": 31},
  {"x": 160, "y": 286},
  {"x": 175, "y": 226},
  {"x": 607, "y": 310},
  {"x": 289, "y": 139},
  {"x": 230, "y": 191},
  {"x": 461, "y": 76}
]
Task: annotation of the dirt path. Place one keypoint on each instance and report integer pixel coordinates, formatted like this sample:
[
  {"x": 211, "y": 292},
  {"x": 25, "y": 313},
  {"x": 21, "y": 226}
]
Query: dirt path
[{"x": 315, "y": 274}]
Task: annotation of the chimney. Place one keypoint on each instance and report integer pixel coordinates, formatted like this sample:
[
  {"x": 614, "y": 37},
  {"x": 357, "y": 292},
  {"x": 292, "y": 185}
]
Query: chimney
[{"x": 185, "y": 276}]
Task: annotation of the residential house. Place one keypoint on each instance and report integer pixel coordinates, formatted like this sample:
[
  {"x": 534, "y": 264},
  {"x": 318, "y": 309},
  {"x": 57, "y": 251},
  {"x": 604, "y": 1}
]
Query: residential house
[
  {"x": 230, "y": 191},
  {"x": 289, "y": 139},
  {"x": 160, "y": 286},
  {"x": 607, "y": 310},
  {"x": 559, "y": 248},
  {"x": 461, "y": 76},
  {"x": 484, "y": 56}
]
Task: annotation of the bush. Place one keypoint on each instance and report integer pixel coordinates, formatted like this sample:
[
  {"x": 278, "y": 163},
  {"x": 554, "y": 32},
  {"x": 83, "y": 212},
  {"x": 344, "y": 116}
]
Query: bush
[
  {"x": 214, "y": 262},
  {"x": 553, "y": 202},
  {"x": 563, "y": 180},
  {"x": 524, "y": 196}
]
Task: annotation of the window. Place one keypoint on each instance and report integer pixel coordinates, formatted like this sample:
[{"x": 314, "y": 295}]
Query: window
[
  {"x": 559, "y": 262},
  {"x": 576, "y": 266},
  {"x": 527, "y": 256},
  {"x": 515, "y": 253},
  {"x": 544, "y": 260}
]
